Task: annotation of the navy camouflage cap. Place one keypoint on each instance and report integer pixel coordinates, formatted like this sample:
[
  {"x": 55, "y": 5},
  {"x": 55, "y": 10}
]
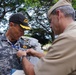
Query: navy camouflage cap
[{"x": 20, "y": 19}]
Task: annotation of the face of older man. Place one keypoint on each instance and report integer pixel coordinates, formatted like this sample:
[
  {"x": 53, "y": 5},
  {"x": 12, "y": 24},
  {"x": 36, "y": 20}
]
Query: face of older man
[
  {"x": 54, "y": 24},
  {"x": 57, "y": 22}
]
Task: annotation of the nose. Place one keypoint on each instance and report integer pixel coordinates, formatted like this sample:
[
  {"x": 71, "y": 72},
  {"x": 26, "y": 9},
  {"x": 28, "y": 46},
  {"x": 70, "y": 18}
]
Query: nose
[
  {"x": 22, "y": 33},
  {"x": 50, "y": 25}
]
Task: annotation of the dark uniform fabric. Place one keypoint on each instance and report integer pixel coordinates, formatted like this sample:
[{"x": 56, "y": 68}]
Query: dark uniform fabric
[{"x": 8, "y": 58}]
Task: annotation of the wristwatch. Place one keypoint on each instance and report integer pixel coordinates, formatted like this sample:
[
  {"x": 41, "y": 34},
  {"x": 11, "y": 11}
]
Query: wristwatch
[{"x": 22, "y": 57}]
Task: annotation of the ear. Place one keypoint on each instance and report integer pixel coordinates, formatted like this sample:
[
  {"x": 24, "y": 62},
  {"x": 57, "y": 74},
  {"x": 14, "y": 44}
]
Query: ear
[{"x": 59, "y": 13}]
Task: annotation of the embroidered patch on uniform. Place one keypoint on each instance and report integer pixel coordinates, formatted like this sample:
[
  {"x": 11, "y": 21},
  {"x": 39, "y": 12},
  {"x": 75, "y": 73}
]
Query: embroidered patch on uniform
[{"x": 24, "y": 46}]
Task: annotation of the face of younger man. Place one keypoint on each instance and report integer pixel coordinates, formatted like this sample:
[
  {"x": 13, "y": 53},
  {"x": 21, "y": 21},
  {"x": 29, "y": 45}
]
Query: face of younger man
[{"x": 16, "y": 31}]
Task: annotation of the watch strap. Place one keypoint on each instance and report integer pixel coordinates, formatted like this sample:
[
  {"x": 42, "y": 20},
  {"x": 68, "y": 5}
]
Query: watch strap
[{"x": 22, "y": 57}]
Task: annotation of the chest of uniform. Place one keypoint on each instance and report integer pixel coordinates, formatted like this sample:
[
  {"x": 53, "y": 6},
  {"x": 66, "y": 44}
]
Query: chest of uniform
[{"x": 6, "y": 48}]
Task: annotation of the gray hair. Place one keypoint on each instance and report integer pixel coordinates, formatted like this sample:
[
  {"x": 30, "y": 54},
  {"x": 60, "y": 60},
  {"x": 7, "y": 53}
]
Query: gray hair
[{"x": 67, "y": 10}]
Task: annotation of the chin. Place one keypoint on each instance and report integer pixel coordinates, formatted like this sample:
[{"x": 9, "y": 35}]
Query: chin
[{"x": 16, "y": 38}]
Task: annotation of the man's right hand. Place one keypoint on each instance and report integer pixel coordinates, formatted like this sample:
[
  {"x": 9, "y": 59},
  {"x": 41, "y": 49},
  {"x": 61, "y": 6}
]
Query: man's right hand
[
  {"x": 34, "y": 53},
  {"x": 21, "y": 53}
]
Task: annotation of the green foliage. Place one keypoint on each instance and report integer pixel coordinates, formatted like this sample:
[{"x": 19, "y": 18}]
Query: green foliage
[
  {"x": 40, "y": 34},
  {"x": 74, "y": 4},
  {"x": 21, "y": 9},
  {"x": 55, "y": 1},
  {"x": 9, "y": 6},
  {"x": 32, "y": 3}
]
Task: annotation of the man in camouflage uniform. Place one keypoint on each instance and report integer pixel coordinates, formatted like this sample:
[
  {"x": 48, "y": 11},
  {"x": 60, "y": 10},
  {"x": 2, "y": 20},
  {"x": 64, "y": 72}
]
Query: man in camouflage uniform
[{"x": 11, "y": 42}]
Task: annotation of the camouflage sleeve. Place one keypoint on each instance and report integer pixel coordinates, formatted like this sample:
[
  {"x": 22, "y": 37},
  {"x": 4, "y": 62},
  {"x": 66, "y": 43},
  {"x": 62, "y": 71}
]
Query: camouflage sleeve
[
  {"x": 35, "y": 44},
  {"x": 32, "y": 43}
]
